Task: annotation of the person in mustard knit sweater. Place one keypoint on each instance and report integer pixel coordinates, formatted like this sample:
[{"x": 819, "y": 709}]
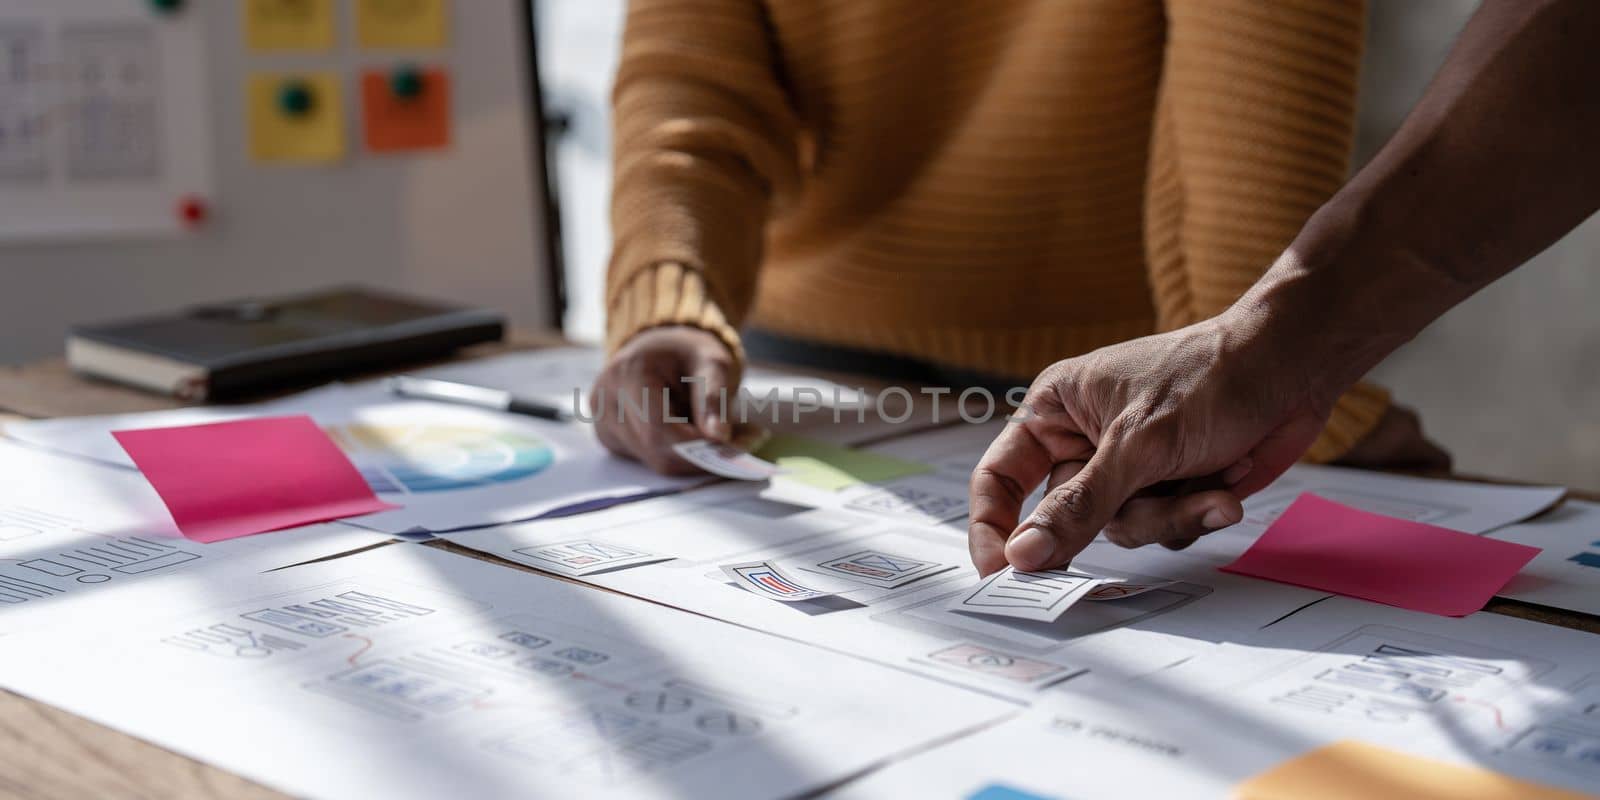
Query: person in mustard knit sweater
[{"x": 961, "y": 190}]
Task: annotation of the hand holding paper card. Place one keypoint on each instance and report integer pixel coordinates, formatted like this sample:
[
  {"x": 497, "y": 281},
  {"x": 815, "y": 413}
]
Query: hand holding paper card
[
  {"x": 1320, "y": 544},
  {"x": 230, "y": 479}
]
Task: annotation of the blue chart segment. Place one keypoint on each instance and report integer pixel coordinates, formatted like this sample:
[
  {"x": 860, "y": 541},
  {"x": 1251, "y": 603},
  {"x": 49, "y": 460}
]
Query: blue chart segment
[
  {"x": 436, "y": 458},
  {"x": 1588, "y": 559},
  {"x": 997, "y": 791}
]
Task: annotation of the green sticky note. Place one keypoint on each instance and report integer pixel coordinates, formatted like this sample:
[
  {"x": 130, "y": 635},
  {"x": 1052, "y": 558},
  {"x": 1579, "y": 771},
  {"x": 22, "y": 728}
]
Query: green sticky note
[{"x": 832, "y": 467}]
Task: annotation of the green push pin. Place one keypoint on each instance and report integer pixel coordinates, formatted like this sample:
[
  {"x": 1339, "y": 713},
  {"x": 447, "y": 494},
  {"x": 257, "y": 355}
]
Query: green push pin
[
  {"x": 295, "y": 98},
  {"x": 406, "y": 82},
  {"x": 167, "y": 6}
]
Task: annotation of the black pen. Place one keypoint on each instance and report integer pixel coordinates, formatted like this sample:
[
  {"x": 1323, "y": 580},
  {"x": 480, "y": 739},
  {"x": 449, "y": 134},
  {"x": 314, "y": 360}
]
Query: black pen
[{"x": 476, "y": 396}]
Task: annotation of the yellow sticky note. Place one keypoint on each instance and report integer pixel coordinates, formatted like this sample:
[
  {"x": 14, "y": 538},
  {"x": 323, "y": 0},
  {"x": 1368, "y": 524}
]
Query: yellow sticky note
[
  {"x": 1356, "y": 769},
  {"x": 402, "y": 24},
  {"x": 296, "y": 117},
  {"x": 831, "y": 467},
  {"x": 288, "y": 24}
]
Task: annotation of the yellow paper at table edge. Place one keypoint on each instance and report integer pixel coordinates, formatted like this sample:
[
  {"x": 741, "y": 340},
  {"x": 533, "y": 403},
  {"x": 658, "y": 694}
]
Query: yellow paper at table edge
[
  {"x": 1351, "y": 769},
  {"x": 429, "y": 28},
  {"x": 274, "y": 137},
  {"x": 262, "y": 34},
  {"x": 832, "y": 467}
]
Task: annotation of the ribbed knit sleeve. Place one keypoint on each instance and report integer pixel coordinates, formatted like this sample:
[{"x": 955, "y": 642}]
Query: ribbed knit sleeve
[
  {"x": 1255, "y": 120},
  {"x": 704, "y": 148}
]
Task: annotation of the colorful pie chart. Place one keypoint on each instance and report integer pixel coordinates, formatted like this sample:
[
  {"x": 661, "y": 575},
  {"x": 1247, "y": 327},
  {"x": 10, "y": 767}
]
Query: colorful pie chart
[{"x": 436, "y": 458}]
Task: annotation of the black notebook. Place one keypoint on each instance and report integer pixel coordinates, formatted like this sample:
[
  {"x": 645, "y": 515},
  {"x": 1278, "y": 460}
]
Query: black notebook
[{"x": 233, "y": 350}]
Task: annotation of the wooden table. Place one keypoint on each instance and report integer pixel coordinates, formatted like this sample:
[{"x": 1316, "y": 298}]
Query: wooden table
[{"x": 49, "y": 754}]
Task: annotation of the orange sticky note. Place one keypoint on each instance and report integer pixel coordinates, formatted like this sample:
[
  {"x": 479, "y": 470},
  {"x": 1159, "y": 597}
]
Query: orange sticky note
[
  {"x": 400, "y": 115},
  {"x": 1357, "y": 769}
]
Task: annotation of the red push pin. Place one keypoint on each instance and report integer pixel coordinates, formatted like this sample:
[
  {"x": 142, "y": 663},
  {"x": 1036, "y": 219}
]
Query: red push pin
[{"x": 192, "y": 210}]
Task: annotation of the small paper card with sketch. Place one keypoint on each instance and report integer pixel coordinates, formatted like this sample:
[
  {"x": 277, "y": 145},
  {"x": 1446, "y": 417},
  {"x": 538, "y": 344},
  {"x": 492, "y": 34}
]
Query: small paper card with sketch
[
  {"x": 725, "y": 460},
  {"x": 581, "y": 557},
  {"x": 880, "y": 568},
  {"x": 766, "y": 579},
  {"x": 1041, "y": 596}
]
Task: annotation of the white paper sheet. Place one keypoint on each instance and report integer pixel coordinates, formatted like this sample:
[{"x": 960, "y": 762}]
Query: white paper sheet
[
  {"x": 448, "y": 466},
  {"x": 889, "y": 586},
  {"x": 406, "y": 672},
  {"x": 1516, "y": 696},
  {"x": 1509, "y": 695},
  {"x": 1079, "y": 746},
  {"x": 1458, "y": 505},
  {"x": 69, "y": 528},
  {"x": 924, "y": 499},
  {"x": 90, "y": 437},
  {"x": 1567, "y": 574}
]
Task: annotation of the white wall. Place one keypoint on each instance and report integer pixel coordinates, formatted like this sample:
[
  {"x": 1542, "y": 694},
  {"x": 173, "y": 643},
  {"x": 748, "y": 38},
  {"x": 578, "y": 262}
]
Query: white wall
[
  {"x": 1510, "y": 380},
  {"x": 461, "y": 225},
  {"x": 579, "y": 41}
]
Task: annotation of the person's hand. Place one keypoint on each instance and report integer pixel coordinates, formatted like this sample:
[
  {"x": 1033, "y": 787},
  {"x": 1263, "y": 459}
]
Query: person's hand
[
  {"x": 692, "y": 368},
  {"x": 1397, "y": 442},
  {"x": 1152, "y": 440}
]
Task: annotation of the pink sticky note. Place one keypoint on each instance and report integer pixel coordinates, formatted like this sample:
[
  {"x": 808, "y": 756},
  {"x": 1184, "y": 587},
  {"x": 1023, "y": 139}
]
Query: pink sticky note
[
  {"x": 231, "y": 479},
  {"x": 1320, "y": 544}
]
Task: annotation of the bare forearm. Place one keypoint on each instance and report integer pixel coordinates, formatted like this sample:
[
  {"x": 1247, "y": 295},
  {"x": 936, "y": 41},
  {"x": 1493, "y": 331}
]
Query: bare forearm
[{"x": 1496, "y": 162}]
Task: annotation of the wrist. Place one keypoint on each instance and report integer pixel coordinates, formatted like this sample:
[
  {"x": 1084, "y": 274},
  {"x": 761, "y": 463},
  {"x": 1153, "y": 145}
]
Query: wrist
[
  {"x": 667, "y": 295},
  {"x": 1341, "y": 298}
]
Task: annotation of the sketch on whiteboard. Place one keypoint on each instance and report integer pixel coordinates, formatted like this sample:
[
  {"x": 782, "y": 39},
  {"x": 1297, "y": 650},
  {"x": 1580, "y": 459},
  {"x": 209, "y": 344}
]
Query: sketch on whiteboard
[{"x": 104, "y": 127}]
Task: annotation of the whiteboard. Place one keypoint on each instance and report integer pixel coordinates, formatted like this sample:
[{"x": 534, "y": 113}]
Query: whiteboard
[
  {"x": 464, "y": 224},
  {"x": 103, "y": 124}
]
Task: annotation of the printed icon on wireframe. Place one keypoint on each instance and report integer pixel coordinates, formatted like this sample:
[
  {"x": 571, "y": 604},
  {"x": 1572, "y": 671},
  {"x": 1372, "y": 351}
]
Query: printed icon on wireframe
[
  {"x": 406, "y": 109},
  {"x": 296, "y": 118},
  {"x": 765, "y": 579},
  {"x": 1587, "y": 559},
  {"x": 1001, "y": 665},
  {"x": 402, "y": 24},
  {"x": 587, "y": 556},
  {"x": 878, "y": 568},
  {"x": 288, "y": 24},
  {"x": 525, "y": 639}
]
